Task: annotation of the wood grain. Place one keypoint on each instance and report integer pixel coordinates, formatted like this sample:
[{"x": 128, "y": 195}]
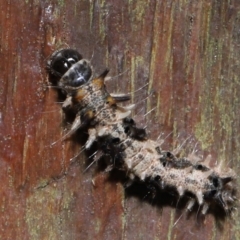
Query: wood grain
[{"x": 186, "y": 51}]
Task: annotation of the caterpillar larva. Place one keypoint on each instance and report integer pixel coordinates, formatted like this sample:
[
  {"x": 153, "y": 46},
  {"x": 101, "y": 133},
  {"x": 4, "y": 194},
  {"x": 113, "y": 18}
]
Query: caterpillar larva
[{"x": 128, "y": 146}]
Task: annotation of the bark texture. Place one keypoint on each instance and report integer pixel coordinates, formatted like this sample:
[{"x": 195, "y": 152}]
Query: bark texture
[{"x": 186, "y": 51}]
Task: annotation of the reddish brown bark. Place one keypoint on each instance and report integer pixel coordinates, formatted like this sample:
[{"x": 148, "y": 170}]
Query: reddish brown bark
[{"x": 187, "y": 51}]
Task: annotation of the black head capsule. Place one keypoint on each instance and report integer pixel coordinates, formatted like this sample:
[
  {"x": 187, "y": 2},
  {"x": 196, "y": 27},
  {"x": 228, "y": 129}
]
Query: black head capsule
[
  {"x": 62, "y": 60},
  {"x": 70, "y": 68},
  {"x": 79, "y": 74}
]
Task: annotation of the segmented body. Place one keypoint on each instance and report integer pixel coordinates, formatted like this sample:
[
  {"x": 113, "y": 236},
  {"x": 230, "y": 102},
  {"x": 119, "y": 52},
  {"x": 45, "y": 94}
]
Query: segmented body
[{"x": 128, "y": 146}]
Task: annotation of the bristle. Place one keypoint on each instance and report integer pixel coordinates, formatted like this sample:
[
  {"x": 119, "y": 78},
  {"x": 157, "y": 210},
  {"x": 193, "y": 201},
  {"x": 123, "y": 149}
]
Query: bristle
[
  {"x": 199, "y": 196},
  {"x": 120, "y": 97},
  {"x": 205, "y": 208},
  {"x": 104, "y": 73},
  {"x": 208, "y": 173},
  {"x": 207, "y": 161},
  {"x": 190, "y": 204},
  {"x": 130, "y": 107},
  {"x": 92, "y": 137},
  {"x": 122, "y": 115},
  {"x": 102, "y": 131},
  {"x": 180, "y": 191},
  {"x": 194, "y": 158}
]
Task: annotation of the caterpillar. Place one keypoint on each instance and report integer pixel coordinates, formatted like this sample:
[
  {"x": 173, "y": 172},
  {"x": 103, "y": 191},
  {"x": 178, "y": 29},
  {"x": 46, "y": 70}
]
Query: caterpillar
[{"x": 127, "y": 146}]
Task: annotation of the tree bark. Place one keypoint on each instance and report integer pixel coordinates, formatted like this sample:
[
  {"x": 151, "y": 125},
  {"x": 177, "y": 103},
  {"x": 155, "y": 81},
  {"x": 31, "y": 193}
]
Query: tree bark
[{"x": 184, "y": 58}]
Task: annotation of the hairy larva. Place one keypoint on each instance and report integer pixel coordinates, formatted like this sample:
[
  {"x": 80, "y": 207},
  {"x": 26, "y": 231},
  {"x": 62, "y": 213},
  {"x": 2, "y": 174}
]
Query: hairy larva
[{"x": 127, "y": 146}]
